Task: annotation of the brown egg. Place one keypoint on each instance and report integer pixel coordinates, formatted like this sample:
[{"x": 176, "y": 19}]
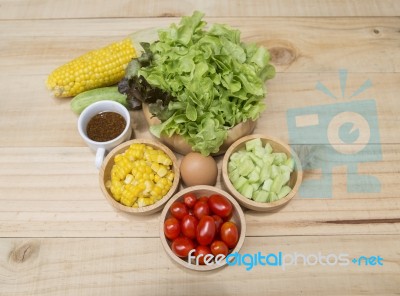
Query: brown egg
[{"x": 197, "y": 169}]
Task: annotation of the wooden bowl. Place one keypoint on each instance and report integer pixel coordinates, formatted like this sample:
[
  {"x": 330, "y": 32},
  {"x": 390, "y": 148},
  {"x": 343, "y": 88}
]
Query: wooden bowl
[
  {"x": 105, "y": 175},
  {"x": 202, "y": 190},
  {"x": 178, "y": 144},
  {"x": 277, "y": 146}
]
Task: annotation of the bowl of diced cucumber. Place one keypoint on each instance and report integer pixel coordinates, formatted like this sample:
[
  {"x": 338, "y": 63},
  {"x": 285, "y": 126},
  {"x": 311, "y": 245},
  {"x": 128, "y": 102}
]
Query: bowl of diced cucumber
[{"x": 261, "y": 172}]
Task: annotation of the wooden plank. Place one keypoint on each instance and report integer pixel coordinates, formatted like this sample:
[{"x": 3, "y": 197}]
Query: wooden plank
[
  {"x": 54, "y": 191},
  {"x": 296, "y": 44},
  {"x": 59, "y": 236},
  {"x": 109, "y": 266},
  {"x": 50, "y": 122},
  {"x": 24, "y": 9},
  {"x": 54, "y": 45}
]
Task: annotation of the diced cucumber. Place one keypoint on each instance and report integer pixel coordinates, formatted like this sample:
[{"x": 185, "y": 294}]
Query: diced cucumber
[
  {"x": 268, "y": 148},
  {"x": 246, "y": 167},
  {"x": 265, "y": 173},
  {"x": 267, "y": 185},
  {"x": 284, "y": 168},
  {"x": 235, "y": 157},
  {"x": 268, "y": 159},
  {"x": 256, "y": 160},
  {"x": 243, "y": 157},
  {"x": 279, "y": 158},
  {"x": 272, "y": 197},
  {"x": 285, "y": 178},
  {"x": 247, "y": 190},
  {"x": 290, "y": 164},
  {"x": 239, "y": 183},
  {"x": 254, "y": 176},
  {"x": 259, "y": 151},
  {"x": 277, "y": 184},
  {"x": 284, "y": 191},
  {"x": 250, "y": 145},
  {"x": 274, "y": 171},
  {"x": 260, "y": 174},
  {"x": 233, "y": 176},
  {"x": 260, "y": 196},
  {"x": 256, "y": 186},
  {"x": 231, "y": 166}
]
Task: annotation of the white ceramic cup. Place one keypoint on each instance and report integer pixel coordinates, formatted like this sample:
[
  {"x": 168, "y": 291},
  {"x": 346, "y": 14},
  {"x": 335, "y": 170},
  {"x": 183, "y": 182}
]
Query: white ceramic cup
[{"x": 101, "y": 147}]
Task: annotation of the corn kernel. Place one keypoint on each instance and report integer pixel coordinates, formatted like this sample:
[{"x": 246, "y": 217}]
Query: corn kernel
[
  {"x": 155, "y": 167},
  {"x": 139, "y": 176},
  {"x": 162, "y": 171},
  {"x": 170, "y": 176},
  {"x": 163, "y": 159},
  {"x": 156, "y": 178},
  {"x": 128, "y": 179}
]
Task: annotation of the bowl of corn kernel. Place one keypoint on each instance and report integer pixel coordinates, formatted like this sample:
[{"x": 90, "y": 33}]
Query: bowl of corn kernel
[{"x": 139, "y": 176}]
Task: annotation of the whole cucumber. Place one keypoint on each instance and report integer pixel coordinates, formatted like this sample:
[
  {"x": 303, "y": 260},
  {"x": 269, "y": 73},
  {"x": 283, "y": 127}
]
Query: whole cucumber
[{"x": 81, "y": 101}]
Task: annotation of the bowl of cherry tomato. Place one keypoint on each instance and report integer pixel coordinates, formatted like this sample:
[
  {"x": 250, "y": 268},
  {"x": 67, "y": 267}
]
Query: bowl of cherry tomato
[{"x": 200, "y": 226}]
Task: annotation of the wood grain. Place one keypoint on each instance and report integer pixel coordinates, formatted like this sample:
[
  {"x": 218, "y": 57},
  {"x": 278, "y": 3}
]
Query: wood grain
[
  {"x": 304, "y": 51},
  {"x": 45, "y": 9},
  {"x": 305, "y": 45},
  {"x": 19, "y": 128},
  {"x": 38, "y": 198},
  {"x": 58, "y": 234},
  {"x": 127, "y": 266}
]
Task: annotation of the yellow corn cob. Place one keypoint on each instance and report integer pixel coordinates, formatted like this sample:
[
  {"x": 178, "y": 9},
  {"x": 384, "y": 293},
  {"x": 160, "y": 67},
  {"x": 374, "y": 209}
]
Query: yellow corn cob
[{"x": 97, "y": 68}]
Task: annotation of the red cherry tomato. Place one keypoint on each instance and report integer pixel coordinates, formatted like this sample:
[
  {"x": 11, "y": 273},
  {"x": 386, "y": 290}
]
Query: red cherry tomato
[
  {"x": 182, "y": 245},
  {"x": 172, "y": 229},
  {"x": 220, "y": 205},
  {"x": 205, "y": 230},
  {"x": 201, "y": 253},
  {"x": 179, "y": 210},
  {"x": 203, "y": 199},
  {"x": 228, "y": 218},
  {"x": 218, "y": 223},
  {"x": 190, "y": 200},
  {"x": 201, "y": 209},
  {"x": 229, "y": 234},
  {"x": 219, "y": 247},
  {"x": 189, "y": 226}
]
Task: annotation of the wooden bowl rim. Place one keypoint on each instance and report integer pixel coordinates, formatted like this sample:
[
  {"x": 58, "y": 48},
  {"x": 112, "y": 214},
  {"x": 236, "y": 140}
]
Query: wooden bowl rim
[
  {"x": 185, "y": 147},
  {"x": 181, "y": 193},
  {"x": 148, "y": 209},
  {"x": 251, "y": 204}
]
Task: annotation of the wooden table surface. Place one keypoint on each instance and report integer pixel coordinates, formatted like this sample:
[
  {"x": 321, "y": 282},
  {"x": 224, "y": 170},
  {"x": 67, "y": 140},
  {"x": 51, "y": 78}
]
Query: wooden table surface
[{"x": 59, "y": 236}]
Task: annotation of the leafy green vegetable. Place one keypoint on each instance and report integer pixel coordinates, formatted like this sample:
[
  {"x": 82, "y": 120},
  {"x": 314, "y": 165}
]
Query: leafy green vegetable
[{"x": 204, "y": 82}]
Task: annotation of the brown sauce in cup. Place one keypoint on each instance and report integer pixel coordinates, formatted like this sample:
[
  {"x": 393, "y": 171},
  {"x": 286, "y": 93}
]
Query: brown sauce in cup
[{"x": 105, "y": 126}]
